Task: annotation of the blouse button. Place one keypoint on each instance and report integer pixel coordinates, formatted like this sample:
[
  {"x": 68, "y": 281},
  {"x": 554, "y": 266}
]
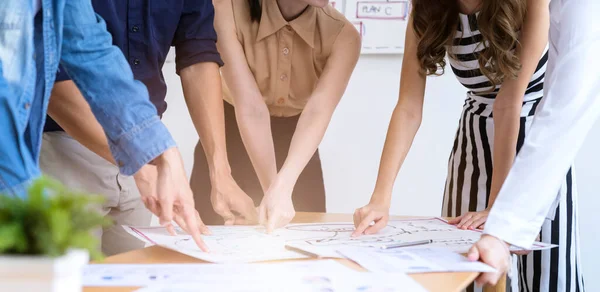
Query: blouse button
[
  {"x": 283, "y": 77},
  {"x": 281, "y": 100},
  {"x": 286, "y": 51}
]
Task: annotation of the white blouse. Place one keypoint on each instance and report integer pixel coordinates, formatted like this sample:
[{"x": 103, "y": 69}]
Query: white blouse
[{"x": 569, "y": 109}]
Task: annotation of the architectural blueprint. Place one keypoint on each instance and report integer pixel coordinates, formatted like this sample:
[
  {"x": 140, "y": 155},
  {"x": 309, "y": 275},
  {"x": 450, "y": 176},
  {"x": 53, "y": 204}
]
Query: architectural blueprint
[
  {"x": 237, "y": 244},
  {"x": 227, "y": 244}
]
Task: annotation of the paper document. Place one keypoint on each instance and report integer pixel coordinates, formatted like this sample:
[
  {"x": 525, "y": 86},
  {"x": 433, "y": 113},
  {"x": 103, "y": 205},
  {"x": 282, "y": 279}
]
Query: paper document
[
  {"x": 424, "y": 260},
  {"x": 308, "y": 281},
  {"x": 227, "y": 244},
  {"x": 325, "y": 239},
  {"x": 136, "y": 275},
  {"x": 237, "y": 244}
]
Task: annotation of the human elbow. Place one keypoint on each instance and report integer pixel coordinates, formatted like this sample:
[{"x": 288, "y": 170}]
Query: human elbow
[{"x": 408, "y": 115}]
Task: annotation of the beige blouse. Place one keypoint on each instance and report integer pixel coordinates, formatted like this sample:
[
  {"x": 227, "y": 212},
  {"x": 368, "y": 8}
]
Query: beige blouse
[{"x": 286, "y": 58}]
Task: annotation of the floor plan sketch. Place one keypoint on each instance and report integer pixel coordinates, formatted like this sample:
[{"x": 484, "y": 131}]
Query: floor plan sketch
[
  {"x": 227, "y": 244},
  {"x": 325, "y": 238},
  {"x": 238, "y": 244}
]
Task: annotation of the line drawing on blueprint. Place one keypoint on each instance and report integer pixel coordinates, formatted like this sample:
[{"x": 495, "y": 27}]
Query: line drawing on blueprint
[
  {"x": 329, "y": 234},
  {"x": 232, "y": 241}
]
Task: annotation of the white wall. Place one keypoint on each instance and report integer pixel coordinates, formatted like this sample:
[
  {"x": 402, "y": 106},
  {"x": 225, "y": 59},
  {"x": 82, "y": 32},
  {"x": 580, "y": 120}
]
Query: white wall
[{"x": 352, "y": 147}]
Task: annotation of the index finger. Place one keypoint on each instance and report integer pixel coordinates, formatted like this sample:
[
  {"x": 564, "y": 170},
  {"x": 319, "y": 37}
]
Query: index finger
[
  {"x": 356, "y": 217},
  {"x": 271, "y": 221},
  {"x": 455, "y": 220},
  {"x": 191, "y": 221},
  {"x": 262, "y": 215},
  {"x": 380, "y": 224},
  {"x": 364, "y": 224}
]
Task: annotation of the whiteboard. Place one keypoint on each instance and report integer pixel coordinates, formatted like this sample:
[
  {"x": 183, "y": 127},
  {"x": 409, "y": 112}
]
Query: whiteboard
[{"x": 381, "y": 24}]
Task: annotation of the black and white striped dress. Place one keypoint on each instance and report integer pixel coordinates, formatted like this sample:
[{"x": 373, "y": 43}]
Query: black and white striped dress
[{"x": 470, "y": 168}]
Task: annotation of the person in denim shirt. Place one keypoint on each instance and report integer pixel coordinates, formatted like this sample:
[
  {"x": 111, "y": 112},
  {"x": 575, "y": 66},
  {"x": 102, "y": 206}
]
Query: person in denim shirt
[
  {"x": 74, "y": 149},
  {"x": 35, "y": 36}
]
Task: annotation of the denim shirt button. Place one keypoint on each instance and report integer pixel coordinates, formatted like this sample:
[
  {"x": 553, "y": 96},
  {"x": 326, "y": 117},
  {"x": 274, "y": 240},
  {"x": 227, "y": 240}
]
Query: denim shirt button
[
  {"x": 27, "y": 105},
  {"x": 120, "y": 163}
]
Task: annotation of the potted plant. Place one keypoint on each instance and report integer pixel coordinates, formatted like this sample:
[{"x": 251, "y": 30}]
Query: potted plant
[{"x": 46, "y": 238}]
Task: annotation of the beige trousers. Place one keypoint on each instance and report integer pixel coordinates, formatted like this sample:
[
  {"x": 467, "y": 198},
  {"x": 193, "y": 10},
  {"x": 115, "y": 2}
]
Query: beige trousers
[{"x": 68, "y": 161}]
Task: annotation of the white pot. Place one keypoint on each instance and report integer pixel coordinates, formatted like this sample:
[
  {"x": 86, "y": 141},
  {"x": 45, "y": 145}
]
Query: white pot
[{"x": 33, "y": 274}]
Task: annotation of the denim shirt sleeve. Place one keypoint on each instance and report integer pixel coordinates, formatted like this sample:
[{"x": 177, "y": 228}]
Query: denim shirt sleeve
[{"x": 121, "y": 105}]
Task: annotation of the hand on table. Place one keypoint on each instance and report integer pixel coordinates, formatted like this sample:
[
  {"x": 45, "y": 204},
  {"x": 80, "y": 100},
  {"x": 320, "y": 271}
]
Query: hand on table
[
  {"x": 471, "y": 220},
  {"x": 232, "y": 203},
  {"x": 493, "y": 252},
  {"x": 165, "y": 191},
  {"x": 373, "y": 212},
  {"x": 276, "y": 209}
]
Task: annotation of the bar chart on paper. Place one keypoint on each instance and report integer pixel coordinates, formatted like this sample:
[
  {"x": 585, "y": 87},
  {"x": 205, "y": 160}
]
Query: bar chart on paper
[{"x": 381, "y": 24}]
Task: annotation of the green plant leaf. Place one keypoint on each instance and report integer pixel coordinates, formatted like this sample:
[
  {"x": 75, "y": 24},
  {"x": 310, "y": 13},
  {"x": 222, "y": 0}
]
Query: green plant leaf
[
  {"x": 60, "y": 224},
  {"x": 12, "y": 237},
  {"x": 50, "y": 220}
]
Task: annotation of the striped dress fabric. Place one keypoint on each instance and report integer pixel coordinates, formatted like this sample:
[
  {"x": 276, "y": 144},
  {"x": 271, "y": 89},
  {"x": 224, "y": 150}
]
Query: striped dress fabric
[{"x": 470, "y": 168}]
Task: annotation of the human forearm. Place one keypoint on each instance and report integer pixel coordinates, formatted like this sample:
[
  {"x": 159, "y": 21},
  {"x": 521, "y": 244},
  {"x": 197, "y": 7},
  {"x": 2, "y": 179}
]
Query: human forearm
[
  {"x": 254, "y": 122},
  {"x": 202, "y": 90},
  {"x": 401, "y": 132},
  {"x": 308, "y": 135},
  {"x": 70, "y": 110},
  {"x": 506, "y": 133}
]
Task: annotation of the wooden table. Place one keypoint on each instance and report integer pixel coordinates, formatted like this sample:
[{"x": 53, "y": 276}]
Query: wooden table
[{"x": 435, "y": 282}]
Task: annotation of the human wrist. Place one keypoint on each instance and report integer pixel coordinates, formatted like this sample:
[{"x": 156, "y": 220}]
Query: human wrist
[
  {"x": 282, "y": 185},
  {"x": 219, "y": 169},
  {"x": 288, "y": 175},
  {"x": 381, "y": 197},
  {"x": 143, "y": 173},
  {"x": 164, "y": 158}
]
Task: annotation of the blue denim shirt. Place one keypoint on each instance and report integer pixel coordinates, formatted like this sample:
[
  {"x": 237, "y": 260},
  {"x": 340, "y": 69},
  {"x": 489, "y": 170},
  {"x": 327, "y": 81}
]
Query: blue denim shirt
[{"x": 70, "y": 33}]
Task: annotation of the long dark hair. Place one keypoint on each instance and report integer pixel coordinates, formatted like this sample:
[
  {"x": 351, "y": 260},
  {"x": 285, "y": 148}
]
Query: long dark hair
[
  {"x": 499, "y": 21},
  {"x": 255, "y": 10}
]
